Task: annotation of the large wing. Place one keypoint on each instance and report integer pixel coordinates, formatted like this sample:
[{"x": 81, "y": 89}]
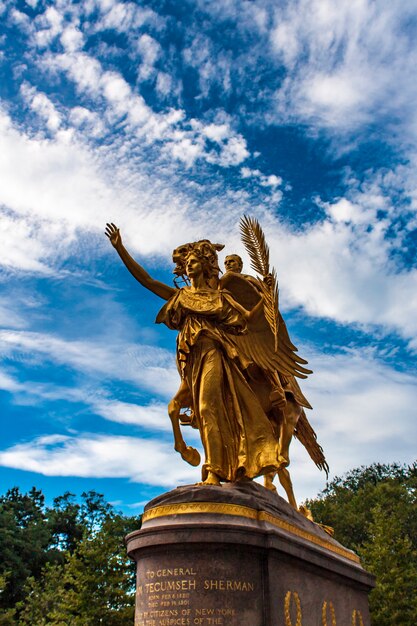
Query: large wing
[{"x": 258, "y": 344}]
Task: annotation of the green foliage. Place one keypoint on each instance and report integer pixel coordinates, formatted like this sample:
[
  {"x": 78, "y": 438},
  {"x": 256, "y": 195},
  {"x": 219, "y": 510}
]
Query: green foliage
[
  {"x": 7, "y": 616},
  {"x": 66, "y": 564},
  {"x": 373, "y": 511},
  {"x": 24, "y": 540},
  {"x": 390, "y": 555}
]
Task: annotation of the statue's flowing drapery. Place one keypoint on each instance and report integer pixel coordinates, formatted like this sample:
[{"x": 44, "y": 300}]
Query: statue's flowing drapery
[{"x": 236, "y": 433}]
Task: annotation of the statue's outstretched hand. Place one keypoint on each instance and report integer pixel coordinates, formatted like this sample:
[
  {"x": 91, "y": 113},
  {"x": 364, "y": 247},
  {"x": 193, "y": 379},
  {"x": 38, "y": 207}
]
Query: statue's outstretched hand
[{"x": 113, "y": 233}]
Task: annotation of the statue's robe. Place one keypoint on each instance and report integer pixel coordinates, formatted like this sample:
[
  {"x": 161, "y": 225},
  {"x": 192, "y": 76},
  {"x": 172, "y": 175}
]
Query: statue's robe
[{"x": 237, "y": 436}]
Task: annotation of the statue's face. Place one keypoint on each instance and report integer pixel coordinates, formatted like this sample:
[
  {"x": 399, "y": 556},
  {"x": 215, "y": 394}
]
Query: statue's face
[
  {"x": 193, "y": 266},
  {"x": 233, "y": 263}
]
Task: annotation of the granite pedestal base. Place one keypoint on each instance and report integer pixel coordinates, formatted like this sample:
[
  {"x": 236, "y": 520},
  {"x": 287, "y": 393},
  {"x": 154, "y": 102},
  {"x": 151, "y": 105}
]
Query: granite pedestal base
[{"x": 239, "y": 555}]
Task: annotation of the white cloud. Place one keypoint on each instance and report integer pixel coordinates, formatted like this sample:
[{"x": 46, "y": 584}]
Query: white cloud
[
  {"x": 147, "y": 366},
  {"x": 42, "y": 105},
  {"x": 233, "y": 152},
  {"x": 8, "y": 383},
  {"x": 22, "y": 248},
  {"x": 184, "y": 139},
  {"x": 51, "y": 23},
  {"x": 164, "y": 83},
  {"x": 115, "y": 88},
  {"x": 341, "y": 270},
  {"x": 345, "y": 211},
  {"x": 20, "y": 19},
  {"x": 154, "y": 416},
  {"x": 55, "y": 180},
  {"x": 348, "y": 64},
  {"x": 270, "y": 180},
  {"x": 122, "y": 16},
  {"x": 9, "y": 316},
  {"x": 216, "y": 132},
  {"x": 149, "y": 50},
  {"x": 102, "y": 456},
  {"x": 84, "y": 70},
  {"x": 72, "y": 38},
  {"x": 338, "y": 91},
  {"x": 86, "y": 121}
]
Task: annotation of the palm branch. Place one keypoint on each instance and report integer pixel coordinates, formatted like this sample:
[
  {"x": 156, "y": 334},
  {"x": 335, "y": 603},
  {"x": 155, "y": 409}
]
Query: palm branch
[{"x": 253, "y": 239}]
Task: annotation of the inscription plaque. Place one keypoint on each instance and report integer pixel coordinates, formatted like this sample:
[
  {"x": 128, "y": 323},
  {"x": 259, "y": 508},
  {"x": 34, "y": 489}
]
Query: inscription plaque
[{"x": 173, "y": 592}]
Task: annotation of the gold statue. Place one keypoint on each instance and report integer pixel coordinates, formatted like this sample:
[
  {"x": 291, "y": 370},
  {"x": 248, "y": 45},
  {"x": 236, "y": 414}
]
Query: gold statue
[{"x": 236, "y": 362}]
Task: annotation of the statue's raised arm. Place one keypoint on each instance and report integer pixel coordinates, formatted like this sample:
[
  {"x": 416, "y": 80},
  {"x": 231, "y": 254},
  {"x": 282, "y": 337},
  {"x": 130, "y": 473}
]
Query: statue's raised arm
[{"x": 137, "y": 271}]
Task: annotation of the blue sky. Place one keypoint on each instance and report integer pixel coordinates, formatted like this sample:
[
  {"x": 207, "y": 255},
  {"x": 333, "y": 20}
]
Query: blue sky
[{"x": 173, "y": 119}]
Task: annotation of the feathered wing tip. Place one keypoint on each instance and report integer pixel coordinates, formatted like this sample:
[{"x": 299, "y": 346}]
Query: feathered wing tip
[{"x": 306, "y": 435}]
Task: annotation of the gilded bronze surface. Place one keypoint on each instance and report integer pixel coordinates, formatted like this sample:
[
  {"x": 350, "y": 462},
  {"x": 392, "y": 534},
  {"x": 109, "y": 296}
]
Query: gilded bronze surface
[
  {"x": 237, "y": 364},
  {"x": 328, "y": 608},
  {"x": 357, "y": 618}
]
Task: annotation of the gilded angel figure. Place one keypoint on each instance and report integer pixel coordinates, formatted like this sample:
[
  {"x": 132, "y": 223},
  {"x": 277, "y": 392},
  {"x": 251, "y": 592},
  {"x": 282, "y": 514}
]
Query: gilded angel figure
[
  {"x": 237, "y": 364},
  {"x": 237, "y": 435}
]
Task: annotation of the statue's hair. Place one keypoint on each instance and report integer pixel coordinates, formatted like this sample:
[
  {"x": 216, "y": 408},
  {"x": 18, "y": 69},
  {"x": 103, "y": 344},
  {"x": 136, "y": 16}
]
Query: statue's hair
[{"x": 206, "y": 252}]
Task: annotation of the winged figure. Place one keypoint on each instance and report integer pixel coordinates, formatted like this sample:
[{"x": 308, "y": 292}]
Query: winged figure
[{"x": 237, "y": 365}]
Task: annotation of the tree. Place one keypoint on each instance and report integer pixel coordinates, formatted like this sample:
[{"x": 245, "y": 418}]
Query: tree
[
  {"x": 24, "y": 540},
  {"x": 373, "y": 511},
  {"x": 66, "y": 564},
  {"x": 65, "y": 523},
  {"x": 96, "y": 582},
  {"x": 7, "y": 616},
  {"x": 390, "y": 555},
  {"x": 44, "y": 597}
]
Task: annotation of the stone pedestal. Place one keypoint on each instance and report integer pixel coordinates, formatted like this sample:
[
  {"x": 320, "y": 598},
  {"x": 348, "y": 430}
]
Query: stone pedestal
[{"x": 239, "y": 555}]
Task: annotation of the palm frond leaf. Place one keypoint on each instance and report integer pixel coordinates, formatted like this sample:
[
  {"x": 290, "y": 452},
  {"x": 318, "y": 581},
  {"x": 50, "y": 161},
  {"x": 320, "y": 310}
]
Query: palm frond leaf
[{"x": 253, "y": 239}]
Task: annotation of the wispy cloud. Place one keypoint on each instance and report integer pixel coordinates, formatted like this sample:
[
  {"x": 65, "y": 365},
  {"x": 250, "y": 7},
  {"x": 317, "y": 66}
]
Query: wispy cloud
[
  {"x": 145, "y": 366},
  {"x": 342, "y": 269},
  {"x": 347, "y": 65},
  {"x": 140, "y": 460}
]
